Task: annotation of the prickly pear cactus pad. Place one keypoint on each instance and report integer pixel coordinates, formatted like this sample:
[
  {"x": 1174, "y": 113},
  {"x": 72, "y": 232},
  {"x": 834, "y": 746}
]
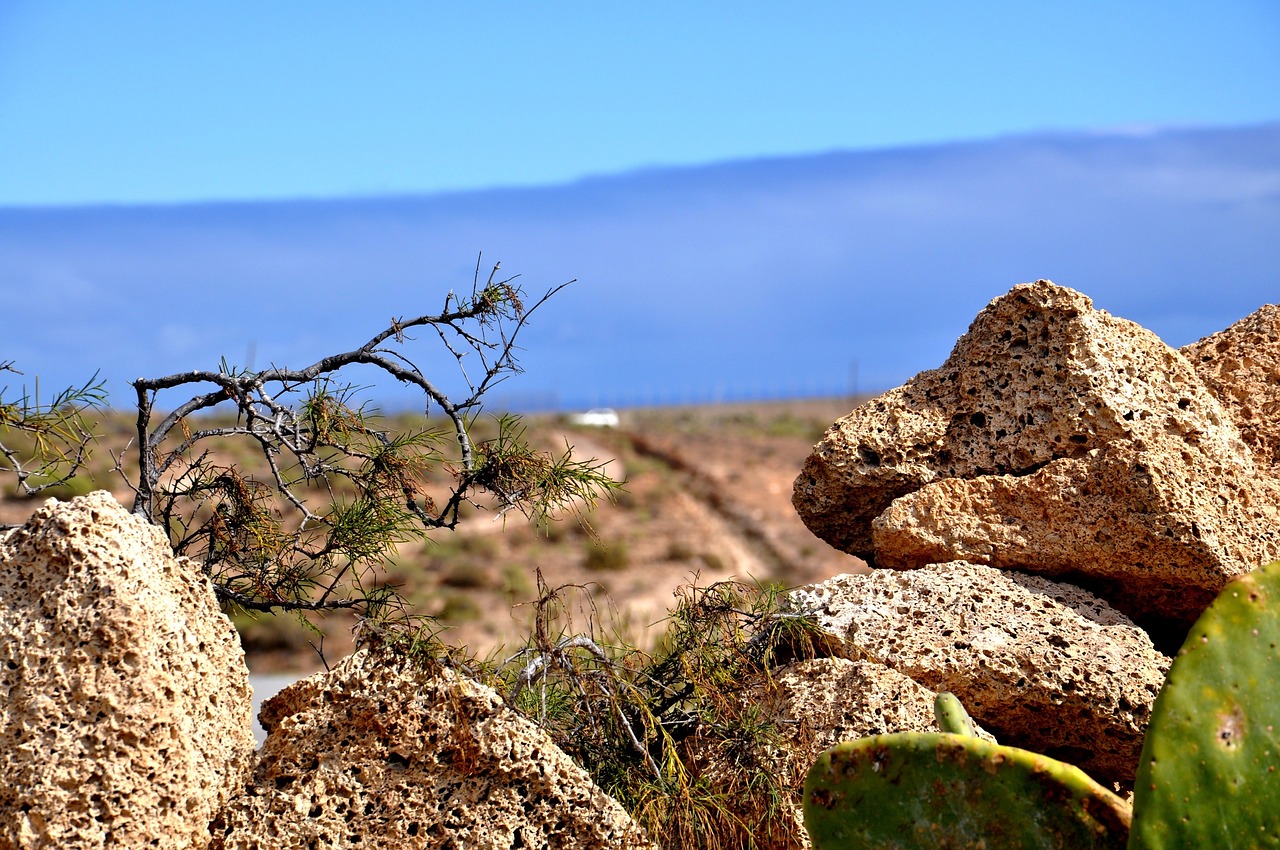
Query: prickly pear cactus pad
[
  {"x": 1210, "y": 769},
  {"x": 954, "y": 791},
  {"x": 950, "y": 715}
]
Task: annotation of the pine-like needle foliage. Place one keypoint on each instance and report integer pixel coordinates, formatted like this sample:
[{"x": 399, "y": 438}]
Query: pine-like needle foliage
[
  {"x": 45, "y": 443},
  {"x": 344, "y": 489}
]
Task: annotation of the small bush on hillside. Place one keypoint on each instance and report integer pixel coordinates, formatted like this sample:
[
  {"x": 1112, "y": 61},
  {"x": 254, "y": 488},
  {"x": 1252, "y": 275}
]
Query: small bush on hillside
[
  {"x": 64, "y": 490},
  {"x": 517, "y": 587},
  {"x": 458, "y": 608},
  {"x": 466, "y": 575},
  {"x": 713, "y": 561},
  {"x": 609, "y": 556},
  {"x": 481, "y": 546},
  {"x": 266, "y": 633},
  {"x": 679, "y": 550},
  {"x": 627, "y": 500}
]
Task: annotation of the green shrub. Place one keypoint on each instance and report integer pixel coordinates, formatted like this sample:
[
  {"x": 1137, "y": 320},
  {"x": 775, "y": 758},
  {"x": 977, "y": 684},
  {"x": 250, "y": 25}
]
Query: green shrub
[
  {"x": 260, "y": 634},
  {"x": 679, "y": 550},
  {"x": 71, "y": 488},
  {"x": 466, "y": 575},
  {"x": 713, "y": 561},
  {"x": 516, "y": 585},
  {"x": 479, "y": 545},
  {"x": 459, "y": 608},
  {"x": 790, "y": 425},
  {"x": 625, "y": 715},
  {"x": 607, "y": 557}
]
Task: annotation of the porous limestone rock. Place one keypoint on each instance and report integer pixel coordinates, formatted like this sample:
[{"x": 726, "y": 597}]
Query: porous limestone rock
[
  {"x": 818, "y": 703},
  {"x": 377, "y": 753},
  {"x": 812, "y": 706},
  {"x": 1241, "y": 366},
  {"x": 1056, "y": 439},
  {"x": 126, "y": 713},
  {"x": 1041, "y": 664}
]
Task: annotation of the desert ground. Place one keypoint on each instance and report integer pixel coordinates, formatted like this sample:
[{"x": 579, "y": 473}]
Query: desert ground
[{"x": 706, "y": 498}]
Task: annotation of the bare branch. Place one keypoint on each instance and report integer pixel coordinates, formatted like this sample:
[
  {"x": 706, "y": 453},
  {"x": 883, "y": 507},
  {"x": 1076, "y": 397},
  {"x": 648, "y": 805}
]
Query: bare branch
[{"x": 340, "y": 489}]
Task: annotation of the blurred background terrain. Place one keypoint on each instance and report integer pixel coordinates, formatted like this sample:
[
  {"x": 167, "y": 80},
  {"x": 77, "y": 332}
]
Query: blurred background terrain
[{"x": 693, "y": 511}]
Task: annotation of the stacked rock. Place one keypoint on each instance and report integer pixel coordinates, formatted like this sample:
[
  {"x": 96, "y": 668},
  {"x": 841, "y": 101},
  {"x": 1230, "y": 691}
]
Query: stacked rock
[{"x": 1062, "y": 490}]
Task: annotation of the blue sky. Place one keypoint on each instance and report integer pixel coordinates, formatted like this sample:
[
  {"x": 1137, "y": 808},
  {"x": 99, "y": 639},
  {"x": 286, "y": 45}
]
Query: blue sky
[{"x": 143, "y": 102}]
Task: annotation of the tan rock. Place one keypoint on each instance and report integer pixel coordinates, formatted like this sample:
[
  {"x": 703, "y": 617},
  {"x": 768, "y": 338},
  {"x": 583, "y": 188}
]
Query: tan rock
[
  {"x": 1043, "y": 665},
  {"x": 1056, "y": 439},
  {"x": 1241, "y": 366},
  {"x": 126, "y": 715},
  {"x": 376, "y": 754},
  {"x": 814, "y": 705},
  {"x": 1149, "y": 538}
]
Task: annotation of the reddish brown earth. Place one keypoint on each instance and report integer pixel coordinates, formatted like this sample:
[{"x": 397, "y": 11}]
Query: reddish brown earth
[{"x": 707, "y": 497}]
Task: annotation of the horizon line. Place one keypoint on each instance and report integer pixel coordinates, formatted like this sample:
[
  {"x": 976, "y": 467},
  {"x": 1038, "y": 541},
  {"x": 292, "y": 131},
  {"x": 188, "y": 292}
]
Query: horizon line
[{"x": 1137, "y": 130}]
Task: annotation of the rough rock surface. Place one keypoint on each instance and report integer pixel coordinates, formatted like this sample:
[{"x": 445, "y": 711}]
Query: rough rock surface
[
  {"x": 126, "y": 713},
  {"x": 1241, "y": 366},
  {"x": 376, "y": 754},
  {"x": 1056, "y": 439},
  {"x": 815, "y": 705},
  {"x": 1043, "y": 665}
]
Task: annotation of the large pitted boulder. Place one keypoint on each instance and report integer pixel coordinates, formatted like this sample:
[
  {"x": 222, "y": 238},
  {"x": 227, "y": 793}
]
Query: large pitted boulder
[
  {"x": 377, "y": 753},
  {"x": 1056, "y": 439},
  {"x": 1241, "y": 366},
  {"x": 126, "y": 716},
  {"x": 1043, "y": 665}
]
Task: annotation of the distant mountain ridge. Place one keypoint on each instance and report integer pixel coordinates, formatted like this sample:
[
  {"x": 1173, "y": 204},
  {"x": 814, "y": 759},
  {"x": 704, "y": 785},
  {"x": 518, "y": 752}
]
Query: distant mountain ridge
[{"x": 760, "y": 277}]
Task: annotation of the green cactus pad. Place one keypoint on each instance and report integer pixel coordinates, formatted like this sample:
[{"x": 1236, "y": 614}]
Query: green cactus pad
[
  {"x": 955, "y": 791},
  {"x": 1210, "y": 769},
  {"x": 950, "y": 715}
]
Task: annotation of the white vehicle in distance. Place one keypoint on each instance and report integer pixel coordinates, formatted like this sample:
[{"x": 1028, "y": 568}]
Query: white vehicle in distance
[{"x": 598, "y": 417}]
